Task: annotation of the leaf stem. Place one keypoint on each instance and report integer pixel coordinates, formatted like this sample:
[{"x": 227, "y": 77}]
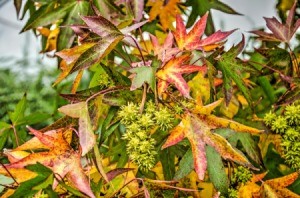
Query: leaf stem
[{"x": 143, "y": 98}]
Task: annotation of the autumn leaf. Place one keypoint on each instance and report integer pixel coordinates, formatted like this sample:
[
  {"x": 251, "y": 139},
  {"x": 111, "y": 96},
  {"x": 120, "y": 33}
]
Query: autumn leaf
[
  {"x": 165, "y": 51},
  {"x": 165, "y": 11},
  {"x": 276, "y": 187},
  {"x": 171, "y": 73},
  {"x": 191, "y": 40},
  {"x": 60, "y": 158},
  {"x": 197, "y": 129},
  {"x": 280, "y": 32}
]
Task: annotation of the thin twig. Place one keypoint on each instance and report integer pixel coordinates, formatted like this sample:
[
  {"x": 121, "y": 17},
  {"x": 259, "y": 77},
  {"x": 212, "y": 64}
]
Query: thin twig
[
  {"x": 113, "y": 89},
  {"x": 9, "y": 173},
  {"x": 137, "y": 46}
]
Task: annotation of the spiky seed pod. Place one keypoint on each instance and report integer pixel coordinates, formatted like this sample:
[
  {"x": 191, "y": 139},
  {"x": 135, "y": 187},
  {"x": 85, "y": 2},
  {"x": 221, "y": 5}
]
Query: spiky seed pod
[
  {"x": 292, "y": 114},
  {"x": 128, "y": 113},
  {"x": 269, "y": 118},
  {"x": 241, "y": 175},
  {"x": 164, "y": 118},
  {"x": 279, "y": 125}
]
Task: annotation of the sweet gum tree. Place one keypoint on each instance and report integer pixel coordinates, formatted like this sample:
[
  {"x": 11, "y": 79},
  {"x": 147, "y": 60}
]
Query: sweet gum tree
[{"x": 165, "y": 111}]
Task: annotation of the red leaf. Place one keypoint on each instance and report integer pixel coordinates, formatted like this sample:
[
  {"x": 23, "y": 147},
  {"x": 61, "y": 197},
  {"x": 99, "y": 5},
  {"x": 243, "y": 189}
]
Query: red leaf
[
  {"x": 172, "y": 71},
  {"x": 191, "y": 40}
]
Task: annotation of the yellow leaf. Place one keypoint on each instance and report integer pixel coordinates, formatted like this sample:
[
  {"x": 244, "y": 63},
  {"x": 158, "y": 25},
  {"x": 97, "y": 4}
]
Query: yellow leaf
[
  {"x": 76, "y": 82},
  {"x": 231, "y": 109},
  {"x": 51, "y": 40},
  {"x": 266, "y": 139},
  {"x": 165, "y": 12},
  {"x": 200, "y": 87}
]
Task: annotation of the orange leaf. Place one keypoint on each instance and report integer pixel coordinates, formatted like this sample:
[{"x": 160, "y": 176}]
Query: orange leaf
[
  {"x": 60, "y": 158},
  {"x": 165, "y": 12}
]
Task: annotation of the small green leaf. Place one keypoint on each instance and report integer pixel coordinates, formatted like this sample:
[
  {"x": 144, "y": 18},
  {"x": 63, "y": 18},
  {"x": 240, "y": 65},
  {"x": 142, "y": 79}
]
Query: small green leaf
[
  {"x": 33, "y": 118},
  {"x": 141, "y": 75},
  {"x": 26, "y": 189},
  {"x": 186, "y": 165},
  {"x": 216, "y": 170},
  {"x": 19, "y": 111}
]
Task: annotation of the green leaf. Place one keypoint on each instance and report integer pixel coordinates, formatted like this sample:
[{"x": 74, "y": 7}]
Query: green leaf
[
  {"x": 167, "y": 158},
  {"x": 232, "y": 70},
  {"x": 19, "y": 111},
  {"x": 4, "y": 126},
  {"x": 141, "y": 75},
  {"x": 97, "y": 52},
  {"x": 250, "y": 146},
  {"x": 66, "y": 35},
  {"x": 26, "y": 188},
  {"x": 216, "y": 170},
  {"x": 200, "y": 7},
  {"x": 3, "y": 139},
  {"x": 186, "y": 165},
  {"x": 265, "y": 84},
  {"x": 33, "y": 118},
  {"x": 5, "y": 181},
  {"x": 47, "y": 14}
]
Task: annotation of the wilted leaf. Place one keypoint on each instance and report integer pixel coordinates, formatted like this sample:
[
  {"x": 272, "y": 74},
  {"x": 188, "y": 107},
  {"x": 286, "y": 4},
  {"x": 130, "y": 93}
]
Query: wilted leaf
[{"x": 86, "y": 134}]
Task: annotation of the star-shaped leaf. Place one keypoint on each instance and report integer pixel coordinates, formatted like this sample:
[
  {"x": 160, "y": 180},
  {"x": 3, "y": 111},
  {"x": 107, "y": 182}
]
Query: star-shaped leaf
[
  {"x": 165, "y": 51},
  {"x": 172, "y": 72},
  {"x": 143, "y": 74},
  {"x": 197, "y": 129},
  {"x": 191, "y": 40},
  {"x": 232, "y": 69},
  {"x": 282, "y": 32},
  {"x": 60, "y": 158}
]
